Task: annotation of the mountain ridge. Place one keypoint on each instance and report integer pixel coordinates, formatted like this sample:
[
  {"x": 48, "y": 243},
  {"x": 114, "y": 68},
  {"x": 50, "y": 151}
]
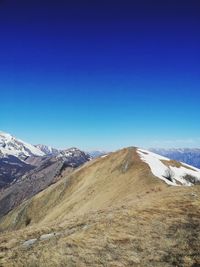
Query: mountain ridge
[
  {"x": 111, "y": 211},
  {"x": 142, "y": 167}
]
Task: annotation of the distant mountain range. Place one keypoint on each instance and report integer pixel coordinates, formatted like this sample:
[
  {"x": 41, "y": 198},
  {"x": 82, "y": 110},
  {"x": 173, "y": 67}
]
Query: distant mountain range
[
  {"x": 190, "y": 156},
  {"x": 97, "y": 153},
  {"x": 25, "y": 169}
]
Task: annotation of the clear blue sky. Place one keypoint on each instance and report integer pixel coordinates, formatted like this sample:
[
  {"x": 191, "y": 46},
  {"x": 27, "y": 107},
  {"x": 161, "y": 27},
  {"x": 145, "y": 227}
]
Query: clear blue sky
[{"x": 101, "y": 74}]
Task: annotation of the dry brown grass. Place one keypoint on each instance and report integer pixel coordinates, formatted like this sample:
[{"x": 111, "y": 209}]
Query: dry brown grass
[
  {"x": 174, "y": 163},
  {"x": 163, "y": 231},
  {"x": 112, "y": 212},
  {"x": 97, "y": 185}
]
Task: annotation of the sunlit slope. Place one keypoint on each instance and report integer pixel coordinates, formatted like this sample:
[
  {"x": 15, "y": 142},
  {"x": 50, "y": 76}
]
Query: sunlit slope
[
  {"x": 111, "y": 212},
  {"x": 104, "y": 182}
]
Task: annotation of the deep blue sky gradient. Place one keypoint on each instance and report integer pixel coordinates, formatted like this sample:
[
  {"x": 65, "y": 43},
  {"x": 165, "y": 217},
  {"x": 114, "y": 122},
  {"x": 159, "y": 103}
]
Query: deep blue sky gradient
[{"x": 101, "y": 74}]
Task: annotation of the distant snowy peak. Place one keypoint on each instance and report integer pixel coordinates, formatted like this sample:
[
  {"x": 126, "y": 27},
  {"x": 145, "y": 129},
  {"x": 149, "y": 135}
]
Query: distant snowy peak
[
  {"x": 11, "y": 146},
  {"x": 170, "y": 171},
  {"x": 71, "y": 152},
  {"x": 73, "y": 156},
  {"x": 97, "y": 153},
  {"x": 47, "y": 150}
]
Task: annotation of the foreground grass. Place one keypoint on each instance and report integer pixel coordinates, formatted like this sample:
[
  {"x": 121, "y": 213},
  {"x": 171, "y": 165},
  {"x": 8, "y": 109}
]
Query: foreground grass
[{"x": 157, "y": 229}]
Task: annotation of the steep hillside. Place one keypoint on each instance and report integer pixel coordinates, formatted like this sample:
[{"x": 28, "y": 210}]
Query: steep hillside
[
  {"x": 11, "y": 169},
  {"x": 119, "y": 210},
  {"x": 100, "y": 183},
  {"x": 43, "y": 172}
]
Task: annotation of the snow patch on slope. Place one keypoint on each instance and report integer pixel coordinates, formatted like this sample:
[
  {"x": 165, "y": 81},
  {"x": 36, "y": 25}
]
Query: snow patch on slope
[
  {"x": 159, "y": 169},
  {"x": 47, "y": 150}
]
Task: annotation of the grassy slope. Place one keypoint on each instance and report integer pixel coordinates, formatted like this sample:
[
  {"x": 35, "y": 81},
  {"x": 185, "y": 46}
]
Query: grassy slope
[
  {"x": 99, "y": 184},
  {"x": 111, "y": 212}
]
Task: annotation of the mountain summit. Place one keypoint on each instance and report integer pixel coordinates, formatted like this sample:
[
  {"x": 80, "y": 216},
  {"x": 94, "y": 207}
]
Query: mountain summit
[{"x": 11, "y": 146}]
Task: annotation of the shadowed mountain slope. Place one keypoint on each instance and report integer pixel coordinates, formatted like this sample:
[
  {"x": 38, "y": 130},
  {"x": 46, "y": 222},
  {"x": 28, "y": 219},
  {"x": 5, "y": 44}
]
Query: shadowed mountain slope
[{"x": 44, "y": 172}]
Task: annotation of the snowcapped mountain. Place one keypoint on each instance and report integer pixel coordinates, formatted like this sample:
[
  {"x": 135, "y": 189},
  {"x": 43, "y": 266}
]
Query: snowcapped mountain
[
  {"x": 25, "y": 169},
  {"x": 170, "y": 171},
  {"x": 11, "y": 146},
  {"x": 190, "y": 156},
  {"x": 73, "y": 156},
  {"x": 47, "y": 150}
]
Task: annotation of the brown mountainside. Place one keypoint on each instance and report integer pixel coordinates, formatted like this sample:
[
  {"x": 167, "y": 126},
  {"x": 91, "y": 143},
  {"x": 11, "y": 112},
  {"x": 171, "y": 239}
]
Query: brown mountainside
[{"x": 110, "y": 212}]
